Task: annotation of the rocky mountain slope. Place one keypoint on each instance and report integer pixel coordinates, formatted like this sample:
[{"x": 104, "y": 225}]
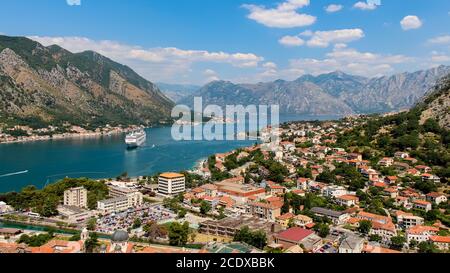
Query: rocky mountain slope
[
  {"x": 52, "y": 85},
  {"x": 437, "y": 105},
  {"x": 333, "y": 93},
  {"x": 177, "y": 92}
]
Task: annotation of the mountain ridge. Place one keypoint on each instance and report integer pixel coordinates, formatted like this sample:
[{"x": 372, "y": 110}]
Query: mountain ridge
[
  {"x": 53, "y": 85},
  {"x": 331, "y": 93}
]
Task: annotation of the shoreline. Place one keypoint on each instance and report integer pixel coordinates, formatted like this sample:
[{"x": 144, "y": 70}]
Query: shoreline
[{"x": 66, "y": 136}]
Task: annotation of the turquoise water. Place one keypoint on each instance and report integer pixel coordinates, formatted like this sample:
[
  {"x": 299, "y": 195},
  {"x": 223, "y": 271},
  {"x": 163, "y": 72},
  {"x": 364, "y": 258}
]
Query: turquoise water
[{"x": 40, "y": 163}]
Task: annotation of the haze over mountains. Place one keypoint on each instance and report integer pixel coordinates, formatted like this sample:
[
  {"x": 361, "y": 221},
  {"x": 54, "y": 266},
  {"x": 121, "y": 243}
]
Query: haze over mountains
[
  {"x": 177, "y": 92},
  {"x": 53, "y": 85},
  {"x": 335, "y": 93}
]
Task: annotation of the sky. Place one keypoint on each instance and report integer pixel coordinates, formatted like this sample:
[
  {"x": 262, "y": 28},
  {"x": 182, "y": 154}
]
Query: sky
[{"x": 244, "y": 41}]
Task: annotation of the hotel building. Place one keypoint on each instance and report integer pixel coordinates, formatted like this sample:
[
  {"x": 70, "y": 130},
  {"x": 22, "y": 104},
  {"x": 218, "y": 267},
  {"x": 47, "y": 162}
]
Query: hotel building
[{"x": 171, "y": 183}]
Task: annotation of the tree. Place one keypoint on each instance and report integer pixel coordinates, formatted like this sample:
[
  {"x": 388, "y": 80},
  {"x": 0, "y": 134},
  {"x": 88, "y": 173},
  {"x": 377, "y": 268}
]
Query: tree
[
  {"x": 285, "y": 207},
  {"x": 425, "y": 186},
  {"x": 35, "y": 240},
  {"x": 153, "y": 230},
  {"x": 255, "y": 238},
  {"x": 182, "y": 213},
  {"x": 413, "y": 244},
  {"x": 326, "y": 177},
  {"x": 428, "y": 247},
  {"x": 137, "y": 223},
  {"x": 222, "y": 213},
  {"x": 431, "y": 125},
  {"x": 375, "y": 238},
  {"x": 365, "y": 226},
  {"x": 178, "y": 233},
  {"x": 92, "y": 243},
  {"x": 205, "y": 207},
  {"x": 92, "y": 224},
  {"x": 322, "y": 229},
  {"x": 398, "y": 242}
]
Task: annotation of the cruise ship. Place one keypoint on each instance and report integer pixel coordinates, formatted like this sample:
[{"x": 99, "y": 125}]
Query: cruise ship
[{"x": 136, "y": 139}]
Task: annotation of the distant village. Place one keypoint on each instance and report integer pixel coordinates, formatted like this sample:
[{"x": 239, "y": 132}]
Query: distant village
[
  {"x": 302, "y": 195},
  {"x": 20, "y": 133}
]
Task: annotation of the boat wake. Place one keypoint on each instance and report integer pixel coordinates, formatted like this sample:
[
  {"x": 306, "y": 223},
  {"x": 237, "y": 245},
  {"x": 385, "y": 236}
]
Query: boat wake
[{"x": 13, "y": 174}]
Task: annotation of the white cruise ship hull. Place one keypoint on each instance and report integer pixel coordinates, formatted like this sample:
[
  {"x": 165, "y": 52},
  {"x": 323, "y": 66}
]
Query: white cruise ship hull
[{"x": 135, "y": 140}]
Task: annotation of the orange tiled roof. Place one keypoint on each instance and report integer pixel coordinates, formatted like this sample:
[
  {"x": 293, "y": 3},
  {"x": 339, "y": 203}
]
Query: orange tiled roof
[
  {"x": 421, "y": 202},
  {"x": 286, "y": 216},
  {"x": 440, "y": 239},
  {"x": 349, "y": 197},
  {"x": 422, "y": 229}
]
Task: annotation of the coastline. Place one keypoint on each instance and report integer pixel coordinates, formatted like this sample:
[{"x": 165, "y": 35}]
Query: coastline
[{"x": 35, "y": 138}]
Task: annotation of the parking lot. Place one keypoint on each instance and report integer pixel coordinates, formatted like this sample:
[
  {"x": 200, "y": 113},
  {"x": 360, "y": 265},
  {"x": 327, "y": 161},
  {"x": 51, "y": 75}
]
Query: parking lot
[{"x": 125, "y": 220}]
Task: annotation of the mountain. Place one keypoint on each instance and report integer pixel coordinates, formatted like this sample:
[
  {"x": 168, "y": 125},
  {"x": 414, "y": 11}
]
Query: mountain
[
  {"x": 52, "y": 85},
  {"x": 334, "y": 93},
  {"x": 177, "y": 92},
  {"x": 293, "y": 97},
  {"x": 396, "y": 92},
  {"x": 436, "y": 105},
  {"x": 423, "y": 132}
]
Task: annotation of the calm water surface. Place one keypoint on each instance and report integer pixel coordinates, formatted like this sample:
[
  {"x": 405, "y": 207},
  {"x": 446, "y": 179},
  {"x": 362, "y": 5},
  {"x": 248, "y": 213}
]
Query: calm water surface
[{"x": 40, "y": 163}]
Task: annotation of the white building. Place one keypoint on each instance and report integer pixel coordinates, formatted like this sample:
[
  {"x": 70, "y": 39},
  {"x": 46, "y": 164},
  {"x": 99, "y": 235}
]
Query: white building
[
  {"x": 121, "y": 202},
  {"x": 347, "y": 200},
  {"x": 171, "y": 183},
  {"x": 436, "y": 198},
  {"x": 76, "y": 197},
  {"x": 409, "y": 220},
  {"x": 114, "y": 205},
  {"x": 334, "y": 191},
  {"x": 420, "y": 233},
  {"x": 422, "y": 205}
]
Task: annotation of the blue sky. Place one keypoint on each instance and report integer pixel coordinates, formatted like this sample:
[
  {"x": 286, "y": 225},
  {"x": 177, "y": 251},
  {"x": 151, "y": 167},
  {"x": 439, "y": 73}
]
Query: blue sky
[{"x": 196, "y": 41}]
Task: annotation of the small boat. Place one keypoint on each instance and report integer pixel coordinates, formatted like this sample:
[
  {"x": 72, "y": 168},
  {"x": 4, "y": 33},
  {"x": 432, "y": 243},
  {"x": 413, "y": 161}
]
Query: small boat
[{"x": 135, "y": 139}]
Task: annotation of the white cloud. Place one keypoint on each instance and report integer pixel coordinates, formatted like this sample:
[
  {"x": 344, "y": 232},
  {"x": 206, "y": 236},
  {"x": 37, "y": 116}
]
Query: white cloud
[
  {"x": 291, "y": 41},
  {"x": 325, "y": 38},
  {"x": 210, "y": 75},
  {"x": 439, "y": 57},
  {"x": 440, "y": 40},
  {"x": 73, "y": 2},
  {"x": 307, "y": 33},
  {"x": 333, "y": 8},
  {"x": 270, "y": 65},
  {"x": 365, "y": 6},
  {"x": 156, "y": 64},
  {"x": 411, "y": 22},
  {"x": 348, "y": 60},
  {"x": 340, "y": 46},
  {"x": 285, "y": 15}
]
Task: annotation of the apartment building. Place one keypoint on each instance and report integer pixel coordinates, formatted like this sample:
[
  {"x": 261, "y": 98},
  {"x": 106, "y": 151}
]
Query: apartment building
[
  {"x": 267, "y": 211},
  {"x": 76, "y": 197},
  {"x": 408, "y": 220}
]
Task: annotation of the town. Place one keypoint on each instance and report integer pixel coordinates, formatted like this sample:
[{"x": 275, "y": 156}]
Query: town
[
  {"x": 314, "y": 192},
  {"x": 29, "y": 133}
]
